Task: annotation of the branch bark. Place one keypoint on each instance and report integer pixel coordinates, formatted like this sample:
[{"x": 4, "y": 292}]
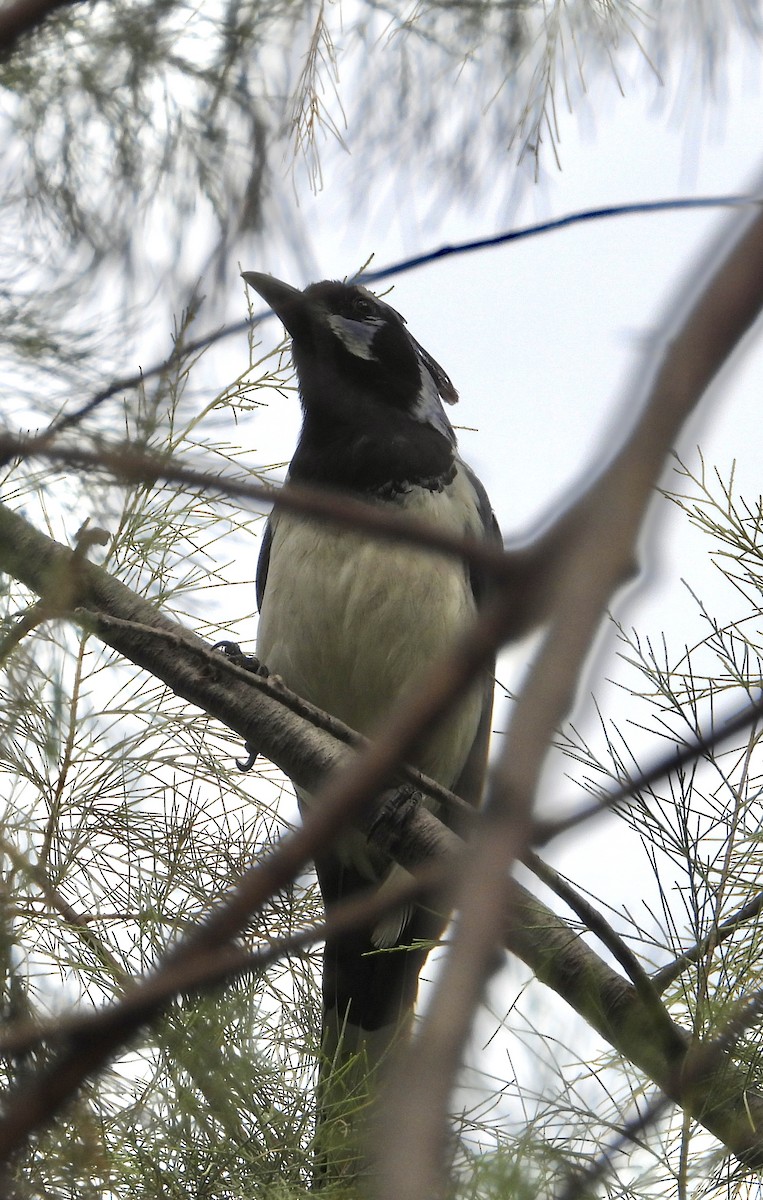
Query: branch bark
[{"x": 722, "y": 1101}]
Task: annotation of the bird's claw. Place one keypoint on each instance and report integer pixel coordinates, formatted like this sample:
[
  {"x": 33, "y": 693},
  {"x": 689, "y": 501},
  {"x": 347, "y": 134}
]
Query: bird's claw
[
  {"x": 247, "y": 764},
  {"x": 249, "y": 662}
]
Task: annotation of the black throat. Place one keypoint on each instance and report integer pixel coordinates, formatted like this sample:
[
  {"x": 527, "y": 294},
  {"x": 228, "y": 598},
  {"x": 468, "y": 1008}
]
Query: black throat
[{"x": 378, "y": 454}]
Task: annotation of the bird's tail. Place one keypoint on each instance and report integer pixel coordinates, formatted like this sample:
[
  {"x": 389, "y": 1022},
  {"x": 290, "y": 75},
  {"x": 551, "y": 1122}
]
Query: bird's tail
[{"x": 368, "y": 1000}]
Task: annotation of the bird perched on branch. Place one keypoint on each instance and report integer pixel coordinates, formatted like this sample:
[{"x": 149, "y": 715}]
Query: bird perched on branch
[{"x": 351, "y": 622}]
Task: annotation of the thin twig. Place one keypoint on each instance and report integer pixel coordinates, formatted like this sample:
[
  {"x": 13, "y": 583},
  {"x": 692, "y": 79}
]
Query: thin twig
[
  {"x": 722, "y": 729},
  {"x": 595, "y": 922},
  {"x": 128, "y": 464},
  {"x": 666, "y": 975},
  {"x": 581, "y": 1184}
]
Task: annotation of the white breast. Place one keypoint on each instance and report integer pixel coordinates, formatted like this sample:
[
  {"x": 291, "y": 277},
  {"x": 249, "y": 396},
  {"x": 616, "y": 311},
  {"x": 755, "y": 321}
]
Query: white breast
[{"x": 351, "y": 623}]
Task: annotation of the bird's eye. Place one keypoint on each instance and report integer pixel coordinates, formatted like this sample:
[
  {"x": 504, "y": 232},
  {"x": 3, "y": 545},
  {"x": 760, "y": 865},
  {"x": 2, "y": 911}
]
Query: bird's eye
[{"x": 361, "y": 307}]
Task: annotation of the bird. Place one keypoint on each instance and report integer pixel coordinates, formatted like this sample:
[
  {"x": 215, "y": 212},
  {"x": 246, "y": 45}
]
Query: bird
[{"x": 351, "y": 622}]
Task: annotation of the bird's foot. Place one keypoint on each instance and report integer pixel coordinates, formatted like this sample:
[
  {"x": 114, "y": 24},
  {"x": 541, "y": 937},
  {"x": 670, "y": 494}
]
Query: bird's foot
[{"x": 251, "y": 663}]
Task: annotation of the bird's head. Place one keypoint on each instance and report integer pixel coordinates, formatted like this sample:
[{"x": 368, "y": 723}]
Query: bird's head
[{"x": 354, "y": 355}]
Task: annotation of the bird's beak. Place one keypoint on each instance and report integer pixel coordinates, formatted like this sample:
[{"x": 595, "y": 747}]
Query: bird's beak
[{"x": 289, "y": 303}]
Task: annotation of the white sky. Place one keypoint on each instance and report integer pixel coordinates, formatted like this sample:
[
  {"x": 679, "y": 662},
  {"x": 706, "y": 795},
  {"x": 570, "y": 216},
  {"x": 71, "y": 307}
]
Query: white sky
[
  {"x": 543, "y": 336},
  {"x": 542, "y": 339}
]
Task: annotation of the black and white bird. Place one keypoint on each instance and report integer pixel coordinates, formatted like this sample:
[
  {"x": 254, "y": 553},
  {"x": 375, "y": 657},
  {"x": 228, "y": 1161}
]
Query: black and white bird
[{"x": 351, "y": 622}]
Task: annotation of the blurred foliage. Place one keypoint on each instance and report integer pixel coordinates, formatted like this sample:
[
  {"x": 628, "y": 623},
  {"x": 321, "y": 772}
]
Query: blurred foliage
[
  {"x": 147, "y": 144},
  {"x": 123, "y": 819},
  {"x": 142, "y": 143}
]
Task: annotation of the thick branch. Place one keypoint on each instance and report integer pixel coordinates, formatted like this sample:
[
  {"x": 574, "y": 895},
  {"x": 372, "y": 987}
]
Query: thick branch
[
  {"x": 555, "y": 953},
  {"x": 139, "y": 631},
  {"x": 108, "y": 607}
]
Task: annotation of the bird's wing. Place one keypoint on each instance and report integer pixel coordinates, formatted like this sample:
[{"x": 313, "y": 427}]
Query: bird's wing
[
  {"x": 469, "y": 783},
  {"x": 263, "y": 562},
  {"x": 479, "y": 580}
]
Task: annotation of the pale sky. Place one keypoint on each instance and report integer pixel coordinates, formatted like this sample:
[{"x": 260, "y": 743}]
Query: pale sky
[
  {"x": 542, "y": 339},
  {"x": 543, "y": 336}
]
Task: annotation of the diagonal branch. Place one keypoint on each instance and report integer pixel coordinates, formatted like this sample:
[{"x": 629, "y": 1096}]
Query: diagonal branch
[
  {"x": 224, "y": 690},
  {"x": 595, "y": 546},
  {"x": 139, "y": 378},
  {"x": 131, "y": 464},
  {"x": 555, "y": 952}
]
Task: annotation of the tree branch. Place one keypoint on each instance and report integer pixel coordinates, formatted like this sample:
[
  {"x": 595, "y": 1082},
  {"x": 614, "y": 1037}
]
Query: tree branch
[
  {"x": 556, "y": 953},
  {"x": 595, "y": 540}
]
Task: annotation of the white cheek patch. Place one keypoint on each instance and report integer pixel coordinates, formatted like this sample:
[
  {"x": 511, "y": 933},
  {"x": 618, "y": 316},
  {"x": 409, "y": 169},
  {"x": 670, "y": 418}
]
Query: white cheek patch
[{"x": 356, "y": 336}]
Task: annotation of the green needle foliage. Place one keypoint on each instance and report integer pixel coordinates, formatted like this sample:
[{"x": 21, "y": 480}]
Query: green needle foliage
[{"x": 124, "y": 819}]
